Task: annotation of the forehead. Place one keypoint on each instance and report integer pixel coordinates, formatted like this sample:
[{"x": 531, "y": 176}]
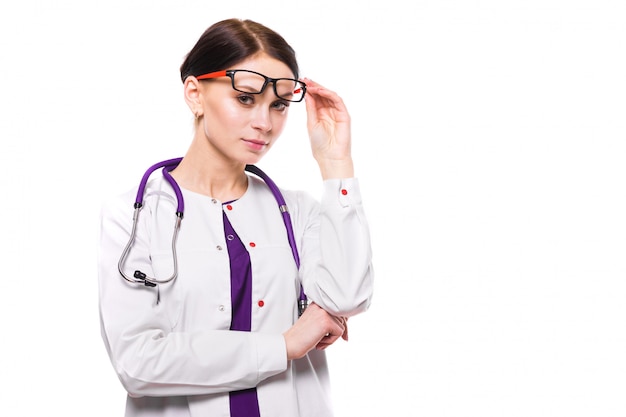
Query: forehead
[{"x": 266, "y": 65}]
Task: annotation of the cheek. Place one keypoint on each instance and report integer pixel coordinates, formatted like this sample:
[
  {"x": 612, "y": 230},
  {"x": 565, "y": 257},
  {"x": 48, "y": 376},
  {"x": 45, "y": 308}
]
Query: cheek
[
  {"x": 278, "y": 124},
  {"x": 222, "y": 118},
  {"x": 224, "y": 110}
]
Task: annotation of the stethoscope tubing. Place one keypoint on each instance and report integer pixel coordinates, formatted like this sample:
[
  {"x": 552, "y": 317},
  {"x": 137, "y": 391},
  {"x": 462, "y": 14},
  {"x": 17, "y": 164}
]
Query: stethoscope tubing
[{"x": 168, "y": 165}]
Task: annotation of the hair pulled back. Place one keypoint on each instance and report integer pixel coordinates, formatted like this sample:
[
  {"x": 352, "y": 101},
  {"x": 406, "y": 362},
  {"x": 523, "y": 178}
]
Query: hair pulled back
[{"x": 230, "y": 41}]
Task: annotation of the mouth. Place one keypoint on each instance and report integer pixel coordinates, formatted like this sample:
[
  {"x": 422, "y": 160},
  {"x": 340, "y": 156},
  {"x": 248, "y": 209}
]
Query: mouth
[{"x": 255, "y": 144}]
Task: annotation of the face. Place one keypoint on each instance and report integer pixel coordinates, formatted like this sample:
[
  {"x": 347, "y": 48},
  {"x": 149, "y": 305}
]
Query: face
[{"x": 240, "y": 127}]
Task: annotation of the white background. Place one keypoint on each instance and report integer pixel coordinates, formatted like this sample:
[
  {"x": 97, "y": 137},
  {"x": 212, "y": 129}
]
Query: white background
[{"x": 490, "y": 140}]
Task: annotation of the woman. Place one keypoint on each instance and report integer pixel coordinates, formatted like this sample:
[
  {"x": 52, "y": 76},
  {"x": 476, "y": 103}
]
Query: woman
[{"x": 224, "y": 338}]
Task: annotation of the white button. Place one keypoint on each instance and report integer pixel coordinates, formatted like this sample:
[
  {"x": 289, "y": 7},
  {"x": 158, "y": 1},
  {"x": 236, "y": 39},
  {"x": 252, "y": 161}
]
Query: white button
[
  {"x": 221, "y": 308},
  {"x": 218, "y": 247},
  {"x": 230, "y": 237},
  {"x": 214, "y": 201}
]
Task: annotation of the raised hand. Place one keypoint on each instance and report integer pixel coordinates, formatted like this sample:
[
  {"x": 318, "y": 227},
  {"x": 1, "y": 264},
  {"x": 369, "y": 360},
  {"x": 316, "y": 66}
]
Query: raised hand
[{"x": 328, "y": 123}]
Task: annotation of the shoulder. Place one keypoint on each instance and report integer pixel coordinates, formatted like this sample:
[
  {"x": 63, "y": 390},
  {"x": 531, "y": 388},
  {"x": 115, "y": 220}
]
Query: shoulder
[
  {"x": 124, "y": 202},
  {"x": 114, "y": 205},
  {"x": 299, "y": 198}
]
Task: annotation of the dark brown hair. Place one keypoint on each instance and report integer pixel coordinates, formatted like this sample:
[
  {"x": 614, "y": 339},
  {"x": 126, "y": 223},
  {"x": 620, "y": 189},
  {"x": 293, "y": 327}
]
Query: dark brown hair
[{"x": 232, "y": 40}]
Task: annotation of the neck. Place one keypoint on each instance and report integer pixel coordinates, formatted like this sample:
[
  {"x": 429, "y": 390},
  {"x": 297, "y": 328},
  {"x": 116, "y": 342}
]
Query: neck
[{"x": 211, "y": 176}]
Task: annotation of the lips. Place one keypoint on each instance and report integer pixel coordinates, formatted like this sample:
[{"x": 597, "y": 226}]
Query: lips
[{"x": 255, "y": 144}]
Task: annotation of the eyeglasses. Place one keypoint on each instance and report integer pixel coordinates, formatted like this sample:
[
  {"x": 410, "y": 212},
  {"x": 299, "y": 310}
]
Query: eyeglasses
[{"x": 252, "y": 82}]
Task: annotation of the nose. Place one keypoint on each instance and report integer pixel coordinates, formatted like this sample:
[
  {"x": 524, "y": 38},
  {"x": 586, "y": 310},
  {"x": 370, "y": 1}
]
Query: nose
[{"x": 261, "y": 119}]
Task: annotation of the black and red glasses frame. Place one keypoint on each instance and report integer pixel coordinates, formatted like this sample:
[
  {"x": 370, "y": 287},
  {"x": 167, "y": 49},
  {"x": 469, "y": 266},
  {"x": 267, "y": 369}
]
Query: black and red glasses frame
[{"x": 295, "y": 95}]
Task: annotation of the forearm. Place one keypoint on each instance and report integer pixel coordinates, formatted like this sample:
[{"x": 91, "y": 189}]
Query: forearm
[
  {"x": 195, "y": 364},
  {"x": 337, "y": 263}
]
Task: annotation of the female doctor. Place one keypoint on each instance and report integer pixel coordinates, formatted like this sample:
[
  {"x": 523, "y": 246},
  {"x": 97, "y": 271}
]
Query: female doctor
[{"x": 225, "y": 338}]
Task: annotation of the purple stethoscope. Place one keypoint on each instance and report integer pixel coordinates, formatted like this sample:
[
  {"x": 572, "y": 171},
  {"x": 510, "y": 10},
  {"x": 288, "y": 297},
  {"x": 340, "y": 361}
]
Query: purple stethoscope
[{"x": 168, "y": 165}]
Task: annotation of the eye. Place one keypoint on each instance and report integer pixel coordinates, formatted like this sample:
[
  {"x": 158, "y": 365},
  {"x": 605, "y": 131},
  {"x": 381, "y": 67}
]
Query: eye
[
  {"x": 280, "y": 105},
  {"x": 246, "y": 99}
]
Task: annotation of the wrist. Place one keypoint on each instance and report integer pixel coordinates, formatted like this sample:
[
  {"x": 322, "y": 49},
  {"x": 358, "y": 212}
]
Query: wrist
[{"x": 336, "y": 168}]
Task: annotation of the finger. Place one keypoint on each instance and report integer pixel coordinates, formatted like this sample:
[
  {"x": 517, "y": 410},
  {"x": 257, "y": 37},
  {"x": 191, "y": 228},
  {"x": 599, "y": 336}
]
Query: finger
[
  {"x": 319, "y": 92},
  {"x": 338, "y": 320},
  {"x": 325, "y": 98},
  {"x": 310, "y": 83},
  {"x": 325, "y": 342},
  {"x": 336, "y": 331},
  {"x": 311, "y": 109}
]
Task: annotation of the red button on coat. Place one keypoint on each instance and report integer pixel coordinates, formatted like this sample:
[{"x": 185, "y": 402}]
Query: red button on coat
[
  {"x": 229, "y": 207},
  {"x": 344, "y": 191},
  {"x": 261, "y": 303},
  {"x": 252, "y": 244}
]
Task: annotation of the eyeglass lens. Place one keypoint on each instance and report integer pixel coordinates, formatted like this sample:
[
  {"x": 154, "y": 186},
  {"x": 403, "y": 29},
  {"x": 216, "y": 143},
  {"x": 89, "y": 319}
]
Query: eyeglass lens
[{"x": 285, "y": 88}]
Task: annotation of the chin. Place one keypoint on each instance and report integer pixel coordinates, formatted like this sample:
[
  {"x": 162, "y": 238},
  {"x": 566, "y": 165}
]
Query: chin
[
  {"x": 254, "y": 157},
  {"x": 251, "y": 160}
]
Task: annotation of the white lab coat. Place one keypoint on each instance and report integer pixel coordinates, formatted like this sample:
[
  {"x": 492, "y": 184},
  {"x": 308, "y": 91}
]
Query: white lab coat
[{"x": 177, "y": 357}]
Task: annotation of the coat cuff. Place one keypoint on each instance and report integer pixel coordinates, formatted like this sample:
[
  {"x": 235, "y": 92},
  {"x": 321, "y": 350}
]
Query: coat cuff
[
  {"x": 272, "y": 354},
  {"x": 343, "y": 192}
]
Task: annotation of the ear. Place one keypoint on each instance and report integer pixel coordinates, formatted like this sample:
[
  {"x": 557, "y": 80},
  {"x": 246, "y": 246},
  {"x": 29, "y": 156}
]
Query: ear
[{"x": 193, "y": 97}]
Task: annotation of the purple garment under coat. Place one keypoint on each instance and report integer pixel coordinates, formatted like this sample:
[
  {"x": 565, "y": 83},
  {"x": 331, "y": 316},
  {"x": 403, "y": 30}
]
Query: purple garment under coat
[{"x": 243, "y": 403}]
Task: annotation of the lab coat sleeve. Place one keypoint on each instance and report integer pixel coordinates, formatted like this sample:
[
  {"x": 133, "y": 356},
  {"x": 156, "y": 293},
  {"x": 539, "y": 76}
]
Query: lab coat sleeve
[
  {"x": 149, "y": 354},
  {"x": 336, "y": 262}
]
